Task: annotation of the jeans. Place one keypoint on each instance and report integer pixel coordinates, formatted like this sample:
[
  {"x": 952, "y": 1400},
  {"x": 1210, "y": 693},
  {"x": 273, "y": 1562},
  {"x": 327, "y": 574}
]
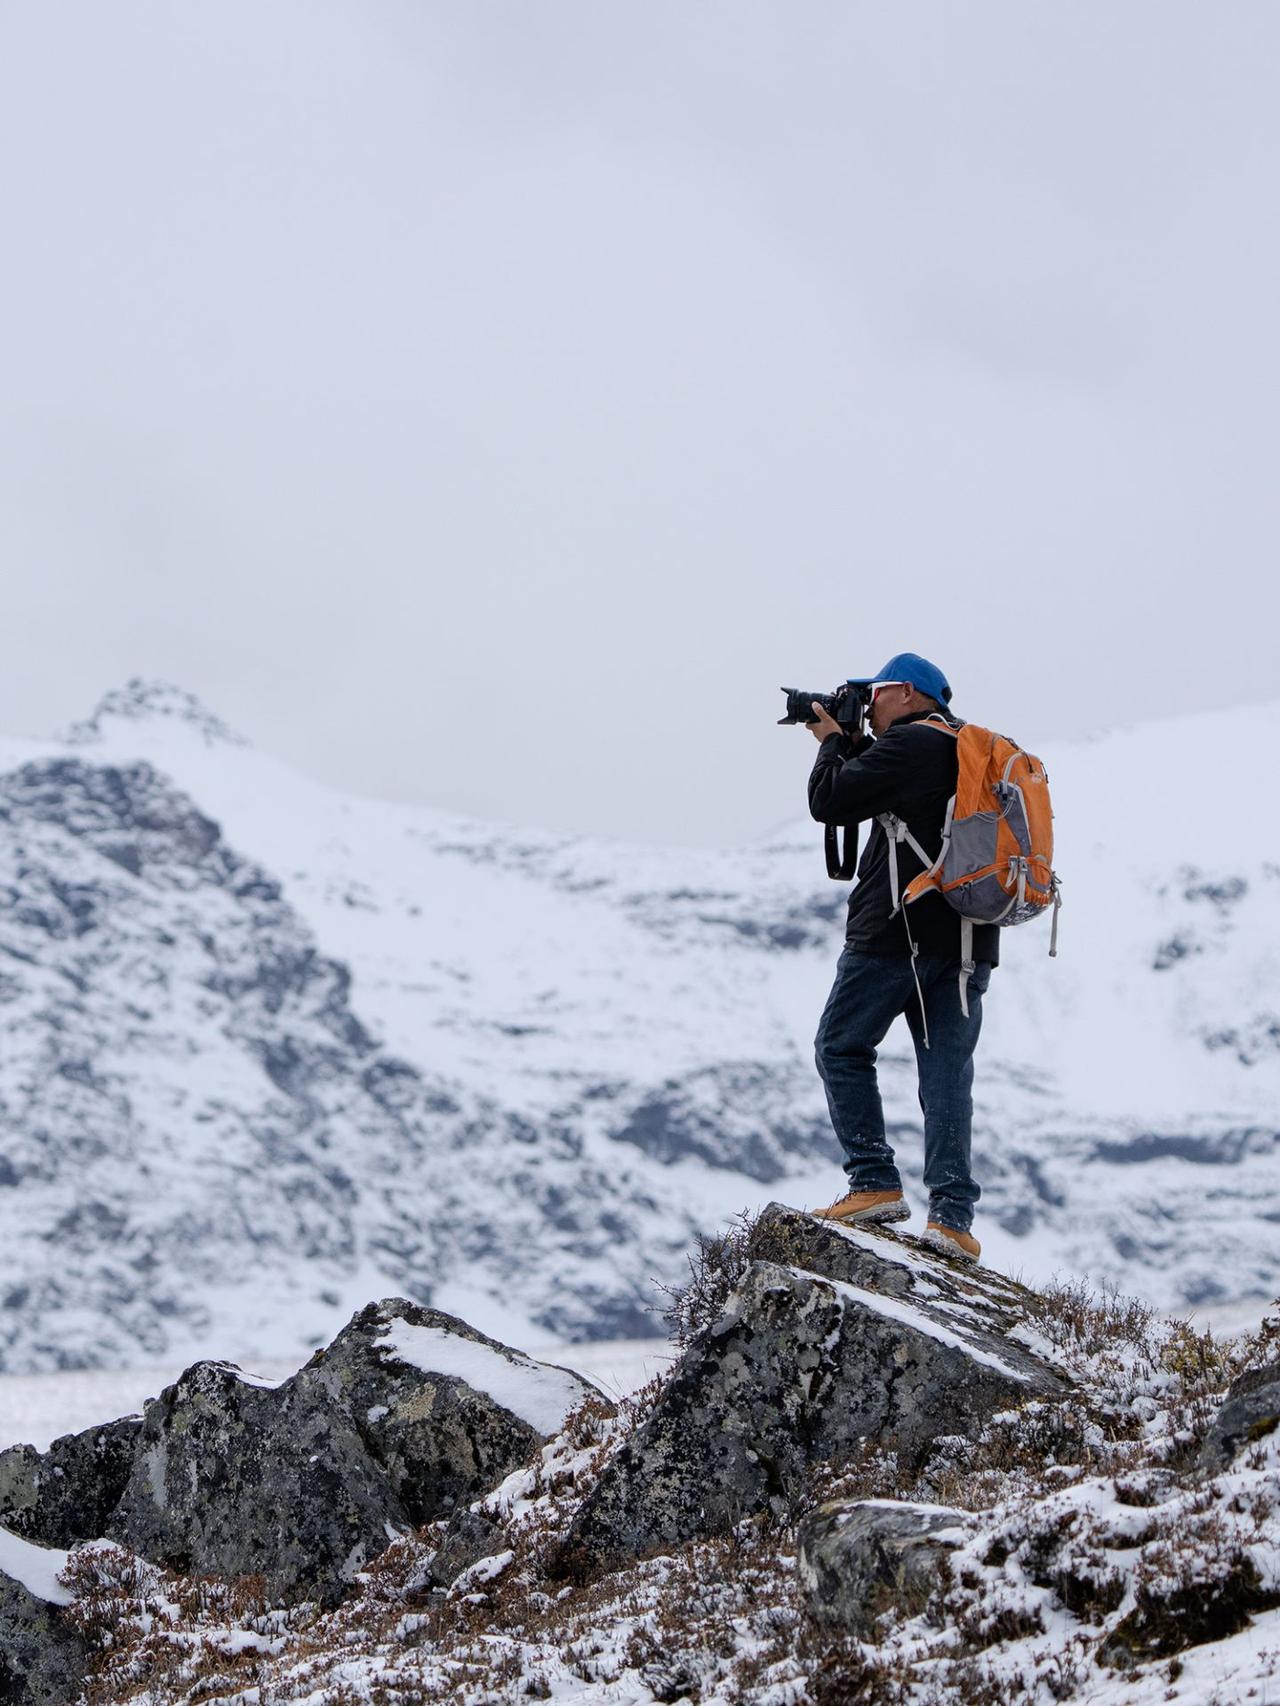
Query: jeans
[{"x": 869, "y": 993}]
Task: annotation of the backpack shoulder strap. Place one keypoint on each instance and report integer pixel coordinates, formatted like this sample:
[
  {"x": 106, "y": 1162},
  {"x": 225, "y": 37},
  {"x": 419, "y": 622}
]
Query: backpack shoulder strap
[{"x": 937, "y": 721}]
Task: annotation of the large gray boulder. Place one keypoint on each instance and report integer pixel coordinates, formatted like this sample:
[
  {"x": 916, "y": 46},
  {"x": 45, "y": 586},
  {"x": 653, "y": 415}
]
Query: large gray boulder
[
  {"x": 406, "y": 1414},
  {"x": 859, "y": 1559},
  {"x": 233, "y": 1478},
  {"x": 42, "y": 1658},
  {"x": 66, "y": 1494},
  {"x": 444, "y": 1411},
  {"x": 849, "y": 1337}
]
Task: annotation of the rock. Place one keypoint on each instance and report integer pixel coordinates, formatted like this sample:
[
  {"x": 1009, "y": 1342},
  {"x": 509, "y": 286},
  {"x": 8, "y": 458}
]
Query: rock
[
  {"x": 859, "y": 1559},
  {"x": 66, "y": 1494},
  {"x": 391, "y": 1426},
  {"x": 400, "y": 1371},
  {"x": 232, "y": 1478},
  {"x": 42, "y": 1658},
  {"x": 802, "y": 1368},
  {"x": 894, "y": 1264},
  {"x": 469, "y": 1537},
  {"x": 1250, "y": 1411},
  {"x": 1253, "y": 1378}
]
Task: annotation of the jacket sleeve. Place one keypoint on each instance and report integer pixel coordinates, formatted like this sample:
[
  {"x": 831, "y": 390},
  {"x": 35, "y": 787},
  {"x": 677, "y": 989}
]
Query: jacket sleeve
[{"x": 855, "y": 780}]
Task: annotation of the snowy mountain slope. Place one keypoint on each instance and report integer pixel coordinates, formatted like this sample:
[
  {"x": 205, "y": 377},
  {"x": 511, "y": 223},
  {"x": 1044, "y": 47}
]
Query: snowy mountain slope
[
  {"x": 201, "y": 1137},
  {"x": 593, "y": 1048}
]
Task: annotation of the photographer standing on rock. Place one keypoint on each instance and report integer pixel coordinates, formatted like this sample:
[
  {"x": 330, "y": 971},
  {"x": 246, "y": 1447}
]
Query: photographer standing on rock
[{"x": 904, "y": 770}]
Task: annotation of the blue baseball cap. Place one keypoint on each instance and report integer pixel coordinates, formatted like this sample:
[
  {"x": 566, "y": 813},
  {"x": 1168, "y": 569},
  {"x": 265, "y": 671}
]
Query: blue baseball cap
[{"x": 924, "y": 676}]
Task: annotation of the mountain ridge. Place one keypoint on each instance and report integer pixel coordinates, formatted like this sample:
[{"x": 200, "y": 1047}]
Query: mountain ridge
[{"x": 599, "y": 1052}]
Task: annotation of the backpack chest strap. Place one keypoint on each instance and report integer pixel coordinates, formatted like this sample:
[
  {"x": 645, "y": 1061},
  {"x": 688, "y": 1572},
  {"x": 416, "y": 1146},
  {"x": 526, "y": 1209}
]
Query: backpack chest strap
[{"x": 896, "y": 830}]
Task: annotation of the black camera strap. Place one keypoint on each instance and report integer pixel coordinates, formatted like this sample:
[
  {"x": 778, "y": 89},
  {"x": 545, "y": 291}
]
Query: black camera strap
[{"x": 838, "y": 869}]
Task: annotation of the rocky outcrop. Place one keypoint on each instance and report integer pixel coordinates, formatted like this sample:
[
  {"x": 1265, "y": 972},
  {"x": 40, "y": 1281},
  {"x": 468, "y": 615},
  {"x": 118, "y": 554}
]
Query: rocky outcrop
[
  {"x": 859, "y": 1559},
  {"x": 987, "y": 1306},
  {"x": 406, "y": 1414},
  {"x": 834, "y": 1336},
  {"x": 232, "y": 1478},
  {"x": 830, "y": 1359},
  {"x": 443, "y": 1411}
]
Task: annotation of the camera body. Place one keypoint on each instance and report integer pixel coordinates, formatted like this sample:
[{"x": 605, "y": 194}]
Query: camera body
[{"x": 848, "y": 705}]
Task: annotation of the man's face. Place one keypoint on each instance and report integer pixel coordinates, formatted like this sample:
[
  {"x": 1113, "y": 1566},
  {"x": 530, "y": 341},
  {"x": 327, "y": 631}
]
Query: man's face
[{"x": 891, "y": 700}]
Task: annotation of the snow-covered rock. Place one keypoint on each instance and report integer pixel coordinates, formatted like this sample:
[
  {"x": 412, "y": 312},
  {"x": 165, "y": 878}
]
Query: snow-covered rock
[
  {"x": 305, "y": 1481},
  {"x": 42, "y": 1659},
  {"x": 859, "y": 1558},
  {"x": 800, "y": 1368}
]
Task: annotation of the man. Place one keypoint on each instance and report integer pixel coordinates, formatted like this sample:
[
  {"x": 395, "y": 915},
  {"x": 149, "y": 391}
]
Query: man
[{"x": 908, "y": 770}]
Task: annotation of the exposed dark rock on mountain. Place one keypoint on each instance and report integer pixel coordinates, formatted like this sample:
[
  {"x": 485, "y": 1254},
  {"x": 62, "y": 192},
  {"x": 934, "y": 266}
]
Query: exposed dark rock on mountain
[
  {"x": 731, "y": 1115},
  {"x": 978, "y": 1302},
  {"x": 869, "y": 1338},
  {"x": 305, "y": 1482},
  {"x": 233, "y": 1479},
  {"x": 140, "y": 701},
  {"x": 435, "y": 1438}
]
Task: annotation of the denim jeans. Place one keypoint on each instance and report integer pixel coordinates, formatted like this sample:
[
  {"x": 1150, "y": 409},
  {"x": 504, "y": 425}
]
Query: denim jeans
[{"x": 869, "y": 993}]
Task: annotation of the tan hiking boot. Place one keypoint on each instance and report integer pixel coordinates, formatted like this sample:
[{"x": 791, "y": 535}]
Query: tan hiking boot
[
  {"x": 951, "y": 1242},
  {"x": 876, "y": 1206}
]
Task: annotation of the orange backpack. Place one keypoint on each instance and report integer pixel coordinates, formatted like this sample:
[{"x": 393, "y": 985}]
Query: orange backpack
[{"x": 996, "y": 862}]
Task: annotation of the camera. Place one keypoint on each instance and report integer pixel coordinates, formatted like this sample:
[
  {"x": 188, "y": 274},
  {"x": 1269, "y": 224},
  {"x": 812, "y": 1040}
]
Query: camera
[{"x": 847, "y": 705}]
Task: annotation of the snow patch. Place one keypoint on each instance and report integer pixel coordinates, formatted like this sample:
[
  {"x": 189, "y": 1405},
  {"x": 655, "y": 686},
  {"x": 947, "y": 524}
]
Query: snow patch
[
  {"x": 897, "y": 1310},
  {"x": 247, "y": 1379},
  {"x": 537, "y": 1393},
  {"x": 37, "y": 1568},
  {"x": 481, "y": 1572}
]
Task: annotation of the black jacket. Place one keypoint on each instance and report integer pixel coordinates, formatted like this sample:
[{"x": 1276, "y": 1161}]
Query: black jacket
[{"x": 910, "y": 772}]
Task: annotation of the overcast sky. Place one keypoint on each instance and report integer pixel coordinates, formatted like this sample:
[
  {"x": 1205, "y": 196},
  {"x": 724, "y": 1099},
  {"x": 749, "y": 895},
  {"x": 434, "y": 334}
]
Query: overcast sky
[{"x": 492, "y": 403}]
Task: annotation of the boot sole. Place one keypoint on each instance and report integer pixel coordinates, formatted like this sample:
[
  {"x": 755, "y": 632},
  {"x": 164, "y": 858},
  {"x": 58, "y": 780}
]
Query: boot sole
[
  {"x": 945, "y": 1247},
  {"x": 886, "y": 1212}
]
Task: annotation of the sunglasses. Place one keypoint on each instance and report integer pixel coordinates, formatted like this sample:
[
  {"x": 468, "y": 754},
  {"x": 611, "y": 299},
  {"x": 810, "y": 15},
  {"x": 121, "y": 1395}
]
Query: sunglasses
[{"x": 881, "y": 685}]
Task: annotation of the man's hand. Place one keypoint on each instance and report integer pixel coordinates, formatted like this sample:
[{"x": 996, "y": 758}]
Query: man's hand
[{"x": 824, "y": 723}]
